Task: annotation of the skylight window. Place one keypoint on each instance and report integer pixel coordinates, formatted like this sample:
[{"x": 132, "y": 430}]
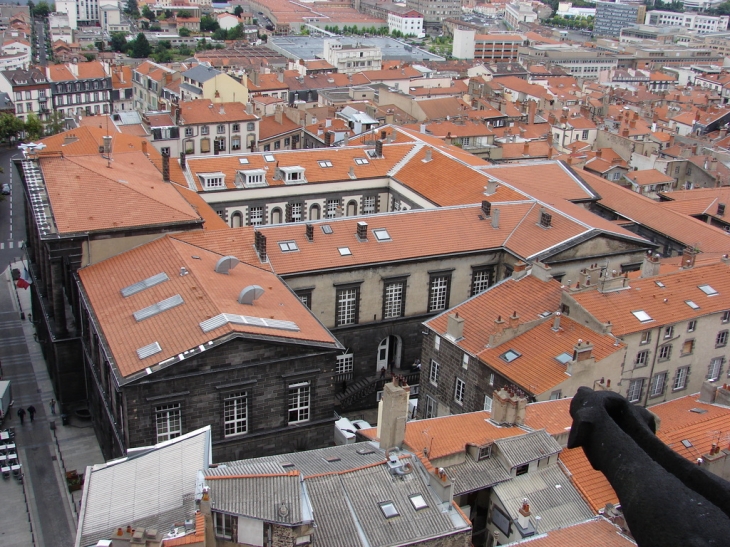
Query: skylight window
[
  {"x": 389, "y": 510},
  {"x": 361, "y": 161},
  {"x": 564, "y": 358},
  {"x": 344, "y": 251},
  {"x": 326, "y": 228},
  {"x": 325, "y": 163},
  {"x": 692, "y": 304},
  {"x": 642, "y": 316},
  {"x": 418, "y": 502},
  {"x": 709, "y": 291},
  {"x": 381, "y": 234},
  {"x": 144, "y": 284},
  {"x": 687, "y": 443},
  {"x": 288, "y": 246},
  {"x": 269, "y": 157},
  {"x": 659, "y": 284},
  {"x": 159, "y": 307},
  {"x": 510, "y": 355},
  {"x": 243, "y": 161}
]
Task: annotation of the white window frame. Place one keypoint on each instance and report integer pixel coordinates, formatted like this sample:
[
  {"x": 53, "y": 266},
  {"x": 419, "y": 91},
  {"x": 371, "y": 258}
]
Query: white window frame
[
  {"x": 642, "y": 358},
  {"x": 714, "y": 369},
  {"x": 347, "y": 306},
  {"x": 213, "y": 181},
  {"x": 368, "y": 205},
  {"x": 433, "y": 373},
  {"x": 459, "y": 389},
  {"x": 437, "y": 343},
  {"x": 255, "y": 215},
  {"x": 487, "y": 403},
  {"x": 633, "y": 393},
  {"x": 331, "y": 207},
  {"x": 223, "y": 524},
  {"x": 692, "y": 326},
  {"x": 431, "y": 410},
  {"x": 680, "y": 379},
  {"x": 656, "y": 386},
  {"x": 665, "y": 352},
  {"x": 438, "y": 292},
  {"x": 235, "y": 414},
  {"x": 480, "y": 281},
  {"x": 345, "y": 363},
  {"x": 168, "y": 421},
  {"x": 668, "y": 332},
  {"x": 299, "y": 403},
  {"x": 721, "y": 339},
  {"x": 394, "y": 295}
]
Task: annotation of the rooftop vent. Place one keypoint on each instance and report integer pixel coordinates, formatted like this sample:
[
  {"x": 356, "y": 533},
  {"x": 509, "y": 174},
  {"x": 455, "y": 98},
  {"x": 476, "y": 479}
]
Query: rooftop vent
[
  {"x": 249, "y": 294},
  {"x": 362, "y": 231},
  {"x": 260, "y": 244},
  {"x": 486, "y": 208},
  {"x": 309, "y": 232},
  {"x": 546, "y": 219},
  {"x": 378, "y": 149},
  {"x": 720, "y": 209},
  {"x": 225, "y": 264}
]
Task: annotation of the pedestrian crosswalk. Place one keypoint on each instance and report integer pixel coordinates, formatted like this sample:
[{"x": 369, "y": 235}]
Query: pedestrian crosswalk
[{"x": 11, "y": 245}]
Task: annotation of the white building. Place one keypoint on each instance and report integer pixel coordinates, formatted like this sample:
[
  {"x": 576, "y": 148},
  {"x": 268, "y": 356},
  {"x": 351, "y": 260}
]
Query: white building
[
  {"x": 701, "y": 5},
  {"x": 110, "y": 14},
  {"x": 409, "y": 23},
  {"x": 519, "y": 13},
  {"x": 70, "y": 9},
  {"x": 83, "y": 12},
  {"x": 703, "y": 24},
  {"x": 352, "y": 58},
  {"x": 566, "y": 9}
]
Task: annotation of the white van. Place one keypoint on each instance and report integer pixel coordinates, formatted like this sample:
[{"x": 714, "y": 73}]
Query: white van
[{"x": 344, "y": 432}]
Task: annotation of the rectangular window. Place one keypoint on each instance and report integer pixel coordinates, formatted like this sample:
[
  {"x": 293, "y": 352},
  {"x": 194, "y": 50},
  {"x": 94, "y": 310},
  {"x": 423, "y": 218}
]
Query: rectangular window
[
  {"x": 331, "y": 209},
  {"x": 713, "y": 371},
  {"x": 721, "y": 340},
  {"x": 368, "y": 205},
  {"x": 347, "y": 306},
  {"x": 645, "y": 337},
  {"x": 465, "y": 361},
  {"x": 255, "y": 216},
  {"x": 668, "y": 332},
  {"x": 634, "y": 392},
  {"x": 725, "y": 316},
  {"x": 203, "y": 129},
  {"x": 235, "y": 414},
  {"x": 224, "y": 525},
  {"x": 277, "y": 145},
  {"x": 433, "y": 375},
  {"x": 657, "y": 384},
  {"x": 169, "y": 422},
  {"x": 345, "y": 363},
  {"x": 296, "y": 212},
  {"x": 305, "y": 297},
  {"x": 236, "y": 127},
  {"x": 235, "y": 143},
  {"x": 221, "y": 129},
  {"x": 437, "y": 343},
  {"x": 439, "y": 293},
  {"x": 665, "y": 352},
  {"x": 431, "y": 408},
  {"x": 487, "y": 403},
  {"x": 459, "y": 391},
  {"x": 394, "y": 299},
  {"x": 188, "y": 131},
  {"x": 555, "y": 395},
  {"x": 642, "y": 358},
  {"x": 688, "y": 347},
  {"x": 481, "y": 280},
  {"x": 691, "y": 326},
  {"x": 680, "y": 380},
  {"x": 299, "y": 403}
]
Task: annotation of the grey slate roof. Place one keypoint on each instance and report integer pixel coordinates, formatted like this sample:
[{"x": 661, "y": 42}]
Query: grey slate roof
[
  {"x": 191, "y": 88},
  {"x": 527, "y": 448},
  {"x": 472, "y": 475},
  {"x": 151, "y": 487},
  {"x": 201, "y": 73},
  {"x": 551, "y": 495}
]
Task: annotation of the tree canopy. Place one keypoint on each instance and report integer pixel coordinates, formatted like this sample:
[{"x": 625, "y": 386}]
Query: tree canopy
[
  {"x": 10, "y": 126},
  {"x": 118, "y": 41},
  {"x": 33, "y": 127},
  {"x": 140, "y": 47},
  {"x": 208, "y": 24}
]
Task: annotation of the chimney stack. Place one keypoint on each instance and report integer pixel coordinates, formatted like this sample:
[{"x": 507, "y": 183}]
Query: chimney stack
[
  {"x": 394, "y": 414},
  {"x": 428, "y": 156},
  {"x": 688, "y": 257},
  {"x": 495, "y": 218},
  {"x": 327, "y": 139},
  {"x": 508, "y": 407},
  {"x": 144, "y": 147},
  {"x": 486, "y": 208},
  {"x": 309, "y": 232},
  {"x": 362, "y": 231},
  {"x": 183, "y": 159},
  {"x": 166, "y": 167},
  {"x": 455, "y": 326},
  {"x": 491, "y": 187},
  {"x": 556, "y": 322},
  {"x": 582, "y": 351}
]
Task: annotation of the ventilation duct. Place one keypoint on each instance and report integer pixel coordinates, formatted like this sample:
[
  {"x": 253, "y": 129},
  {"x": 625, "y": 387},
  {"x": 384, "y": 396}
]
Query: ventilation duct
[
  {"x": 249, "y": 294},
  {"x": 226, "y": 263}
]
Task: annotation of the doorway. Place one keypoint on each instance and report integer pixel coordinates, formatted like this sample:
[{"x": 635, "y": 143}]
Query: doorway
[{"x": 389, "y": 350}]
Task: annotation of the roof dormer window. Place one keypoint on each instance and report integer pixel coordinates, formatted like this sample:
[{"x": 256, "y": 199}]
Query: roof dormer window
[
  {"x": 212, "y": 181},
  {"x": 251, "y": 178},
  {"x": 293, "y": 175}
]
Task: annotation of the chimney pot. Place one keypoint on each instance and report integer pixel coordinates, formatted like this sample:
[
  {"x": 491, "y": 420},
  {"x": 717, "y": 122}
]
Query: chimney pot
[{"x": 495, "y": 218}]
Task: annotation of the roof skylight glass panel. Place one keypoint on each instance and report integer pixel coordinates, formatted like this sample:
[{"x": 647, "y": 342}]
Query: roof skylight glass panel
[
  {"x": 325, "y": 163},
  {"x": 418, "y": 502},
  {"x": 709, "y": 291},
  {"x": 361, "y": 161},
  {"x": 381, "y": 234},
  {"x": 269, "y": 157},
  {"x": 344, "y": 251},
  {"x": 659, "y": 284},
  {"x": 149, "y": 349},
  {"x": 144, "y": 284},
  {"x": 642, "y": 316},
  {"x": 510, "y": 355},
  {"x": 326, "y": 228},
  {"x": 692, "y": 304},
  {"x": 243, "y": 161},
  {"x": 564, "y": 358},
  {"x": 161, "y": 306},
  {"x": 288, "y": 246},
  {"x": 389, "y": 510}
]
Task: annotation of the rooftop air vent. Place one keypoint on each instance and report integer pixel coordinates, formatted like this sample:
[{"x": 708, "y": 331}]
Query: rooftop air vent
[
  {"x": 249, "y": 294},
  {"x": 546, "y": 219},
  {"x": 225, "y": 264}
]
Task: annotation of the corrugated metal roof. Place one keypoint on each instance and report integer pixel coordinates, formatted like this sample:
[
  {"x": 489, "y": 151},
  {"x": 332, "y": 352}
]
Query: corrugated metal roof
[
  {"x": 151, "y": 487},
  {"x": 270, "y": 498},
  {"x": 526, "y": 448},
  {"x": 551, "y": 496},
  {"x": 472, "y": 475}
]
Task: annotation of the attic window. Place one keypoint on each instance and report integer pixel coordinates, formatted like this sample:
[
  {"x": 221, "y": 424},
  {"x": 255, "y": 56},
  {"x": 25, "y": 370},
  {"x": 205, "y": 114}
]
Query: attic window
[
  {"x": 564, "y": 358},
  {"x": 545, "y": 314},
  {"x": 253, "y": 178},
  {"x": 388, "y": 509},
  {"x": 326, "y": 228},
  {"x": 288, "y": 246},
  {"x": 418, "y": 502},
  {"x": 269, "y": 157},
  {"x": 660, "y": 284},
  {"x": 692, "y": 304},
  {"x": 510, "y": 355},
  {"x": 344, "y": 251},
  {"x": 325, "y": 163},
  {"x": 381, "y": 234},
  {"x": 365, "y": 451},
  {"x": 361, "y": 161},
  {"x": 243, "y": 161},
  {"x": 286, "y": 465},
  {"x": 698, "y": 410},
  {"x": 709, "y": 291},
  {"x": 642, "y": 316},
  {"x": 293, "y": 175},
  {"x": 687, "y": 443},
  {"x": 212, "y": 181},
  {"x": 485, "y": 452}
]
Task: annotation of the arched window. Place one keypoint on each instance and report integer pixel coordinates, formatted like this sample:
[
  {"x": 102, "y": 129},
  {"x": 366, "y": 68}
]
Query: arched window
[
  {"x": 236, "y": 220},
  {"x": 276, "y": 215},
  {"x": 351, "y": 208},
  {"x": 314, "y": 212}
]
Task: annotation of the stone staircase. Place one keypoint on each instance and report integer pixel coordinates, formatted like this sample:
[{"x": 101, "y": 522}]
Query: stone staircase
[{"x": 361, "y": 392}]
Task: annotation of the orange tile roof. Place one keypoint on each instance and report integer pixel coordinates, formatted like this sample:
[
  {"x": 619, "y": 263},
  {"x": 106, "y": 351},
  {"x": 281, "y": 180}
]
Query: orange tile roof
[
  {"x": 92, "y": 69},
  {"x": 59, "y": 73},
  {"x": 269, "y": 127},
  {"x": 86, "y": 195},
  {"x": 205, "y": 111},
  {"x": 462, "y": 129},
  {"x": 552, "y": 416},
  {"x": 205, "y": 294},
  {"x": 648, "y": 176},
  {"x": 586, "y": 534},
  {"x": 210, "y": 218},
  {"x": 518, "y": 84},
  {"x": 665, "y": 305},
  {"x": 516, "y": 150},
  {"x": 592, "y": 484},
  {"x": 550, "y": 177},
  {"x": 198, "y": 536},
  {"x": 266, "y": 82}
]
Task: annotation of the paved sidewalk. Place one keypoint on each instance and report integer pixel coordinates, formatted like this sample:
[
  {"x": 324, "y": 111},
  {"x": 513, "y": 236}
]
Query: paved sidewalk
[{"x": 46, "y": 515}]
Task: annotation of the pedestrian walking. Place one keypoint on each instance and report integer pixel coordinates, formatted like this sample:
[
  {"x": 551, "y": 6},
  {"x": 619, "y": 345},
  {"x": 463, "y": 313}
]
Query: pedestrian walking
[
  {"x": 382, "y": 373},
  {"x": 52, "y": 402},
  {"x": 31, "y": 413},
  {"x": 21, "y": 415}
]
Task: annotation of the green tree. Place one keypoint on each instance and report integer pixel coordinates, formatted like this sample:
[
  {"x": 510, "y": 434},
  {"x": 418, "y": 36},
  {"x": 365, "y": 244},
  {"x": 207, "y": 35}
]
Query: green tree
[
  {"x": 33, "y": 127},
  {"x": 235, "y": 33},
  {"x": 132, "y": 8},
  {"x": 41, "y": 10},
  {"x": 238, "y": 10},
  {"x": 118, "y": 41},
  {"x": 183, "y": 14},
  {"x": 10, "y": 127},
  {"x": 141, "y": 47},
  {"x": 219, "y": 34},
  {"x": 147, "y": 13},
  {"x": 208, "y": 24},
  {"x": 162, "y": 55},
  {"x": 184, "y": 32},
  {"x": 185, "y": 50},
  {"x": 55, "y": 123}
]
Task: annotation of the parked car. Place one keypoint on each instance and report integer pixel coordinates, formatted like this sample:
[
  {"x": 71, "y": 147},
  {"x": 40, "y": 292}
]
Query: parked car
[{"x": 6, "y": 189}]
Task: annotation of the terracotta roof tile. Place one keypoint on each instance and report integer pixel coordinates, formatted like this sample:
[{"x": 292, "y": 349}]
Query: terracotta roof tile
[
  {"x": 92, "y": 69},
  {"x": 592, "y": 484},
  {"x": 552, "y": 416},
  {"x": 269, "y": 127},
  {"x": 649, "y": 176},
  {"x": 586, "y": 534},
  {"x": 204, "y": 111}
]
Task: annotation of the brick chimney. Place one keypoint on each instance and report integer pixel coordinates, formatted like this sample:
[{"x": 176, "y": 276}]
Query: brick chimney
[
  {"x": 650, "y": 266},
  {"x": 582, "y": 351},
  {"x": 688, "y": 257},
  {"x": 508, "y": 407}
]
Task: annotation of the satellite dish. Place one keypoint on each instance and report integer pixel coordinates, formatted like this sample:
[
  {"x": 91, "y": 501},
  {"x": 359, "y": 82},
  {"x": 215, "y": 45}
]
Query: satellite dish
[
  {"x": 249, "y": 294},
  {"x": 226, "y": 263}
]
